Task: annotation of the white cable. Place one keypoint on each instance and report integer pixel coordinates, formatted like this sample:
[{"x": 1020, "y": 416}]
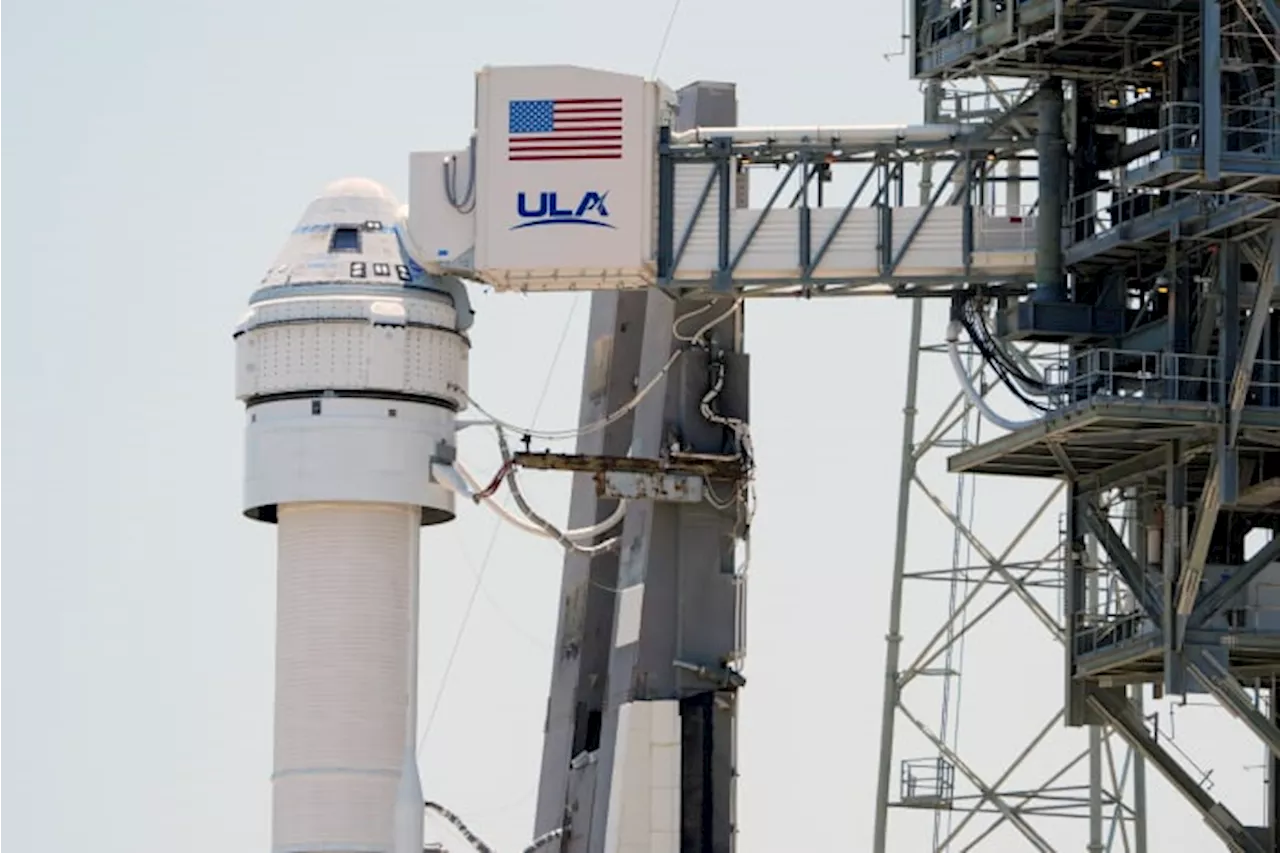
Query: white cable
[
  {"x": 746, "y": 487},
  {"x": 966, "y": 384},
  {"x": 455, "y": 479},
  {"x": 739, "y": 426},
  {"x": 474, "y": 489},
  {"x": 622, "y": 412},
  {"x": 514, "y": 485},
  {"x": 458, "y": 480},
  {"x": 694, "y": 339}
]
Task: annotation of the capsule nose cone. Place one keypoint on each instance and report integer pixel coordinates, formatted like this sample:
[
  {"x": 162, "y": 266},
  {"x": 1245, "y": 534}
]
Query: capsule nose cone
[
  {"x": 349, "y": 234},
  {"x": 353, "y": 201},
  {"x": 358, "y": 188}
]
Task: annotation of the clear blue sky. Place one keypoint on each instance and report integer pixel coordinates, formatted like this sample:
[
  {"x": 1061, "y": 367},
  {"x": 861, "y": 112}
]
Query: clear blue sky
[{"x": 157, "y": 154}]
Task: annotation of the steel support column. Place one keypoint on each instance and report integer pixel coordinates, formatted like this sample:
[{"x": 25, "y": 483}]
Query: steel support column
[
  {"x": 907, "y": 467},
  {"x": 674, "y": 635},
  {"x": 677, "y": 618},
  {"x": 585, "y": 628},
  {"x": 1051, "y": 153},
  {"x": 1211, "y": 87}
]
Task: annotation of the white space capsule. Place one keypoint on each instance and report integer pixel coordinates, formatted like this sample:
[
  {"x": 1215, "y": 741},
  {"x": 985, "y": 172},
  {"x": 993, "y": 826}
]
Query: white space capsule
[{"x": 350, "y": 364}]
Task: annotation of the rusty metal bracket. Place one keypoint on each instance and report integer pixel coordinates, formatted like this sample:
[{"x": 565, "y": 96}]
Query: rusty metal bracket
[{"x": 681, "y": 478}]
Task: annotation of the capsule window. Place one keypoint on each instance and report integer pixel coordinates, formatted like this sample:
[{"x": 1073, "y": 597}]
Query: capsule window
[{"x": 345, "y": 240}]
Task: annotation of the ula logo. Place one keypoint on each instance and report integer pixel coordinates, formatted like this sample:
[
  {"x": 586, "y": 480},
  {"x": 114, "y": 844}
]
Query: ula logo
[{"x": 546, "y": 209}]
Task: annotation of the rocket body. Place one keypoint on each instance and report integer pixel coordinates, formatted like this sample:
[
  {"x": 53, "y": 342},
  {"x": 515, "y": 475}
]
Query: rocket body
[{"x": 351, "y": 364}]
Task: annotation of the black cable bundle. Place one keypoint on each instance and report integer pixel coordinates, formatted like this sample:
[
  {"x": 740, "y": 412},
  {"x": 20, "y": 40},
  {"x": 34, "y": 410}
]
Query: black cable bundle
[{"x": 1010, "y": 373}]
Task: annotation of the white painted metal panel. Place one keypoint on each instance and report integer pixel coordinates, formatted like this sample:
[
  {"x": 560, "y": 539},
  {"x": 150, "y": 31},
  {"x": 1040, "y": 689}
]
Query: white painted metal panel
[
  {"x": 644, "y": 791},
  {"x": 441, "y": 231},
  {"x": 938, "y": 245},
  {"x": 1004, "y": 243},
  {"x": 351, "y": 343},
  {"x": 566, "y": 165},
  {"x": 345, "y": 448}
]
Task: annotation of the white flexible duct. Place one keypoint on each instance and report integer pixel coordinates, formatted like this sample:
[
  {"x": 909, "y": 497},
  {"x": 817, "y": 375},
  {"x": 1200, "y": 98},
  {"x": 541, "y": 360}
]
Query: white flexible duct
[
  {"x": 513, "y": 485},
  {"x": 459, "y": 480},
  {"x": 966, "y": 384},
  {"x": 588, "y": 532}
]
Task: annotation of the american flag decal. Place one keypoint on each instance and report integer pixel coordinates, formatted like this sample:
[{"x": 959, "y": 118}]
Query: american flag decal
[{"x": 565, "y": 129}]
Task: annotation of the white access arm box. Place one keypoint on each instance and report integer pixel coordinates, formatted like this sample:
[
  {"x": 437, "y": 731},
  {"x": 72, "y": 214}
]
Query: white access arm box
[{"x": 564, "y": 195}]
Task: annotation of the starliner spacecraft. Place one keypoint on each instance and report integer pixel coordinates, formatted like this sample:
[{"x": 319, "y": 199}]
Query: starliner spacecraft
[{"x": 352, "y": 365}]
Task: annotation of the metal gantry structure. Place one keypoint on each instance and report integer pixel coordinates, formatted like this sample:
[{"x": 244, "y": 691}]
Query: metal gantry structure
[
  {"x": 1157, "y": 141},
  {"x": 1128, "y": 302}
]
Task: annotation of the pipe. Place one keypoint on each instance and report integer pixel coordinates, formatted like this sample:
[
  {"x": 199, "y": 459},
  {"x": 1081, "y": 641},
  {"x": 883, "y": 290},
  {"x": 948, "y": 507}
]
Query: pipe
[
  {"x": 966, "y": 384},
  {"x": 834, "y": 134},
  {"x": 1155, "y": 536},
  {"x": 1050, "y": 152}
]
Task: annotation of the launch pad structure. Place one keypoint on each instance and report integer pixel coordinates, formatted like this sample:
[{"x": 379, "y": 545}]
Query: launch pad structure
[
  {"x": 1127, "y": 304},
  {"x": 1143, "y": 270}
]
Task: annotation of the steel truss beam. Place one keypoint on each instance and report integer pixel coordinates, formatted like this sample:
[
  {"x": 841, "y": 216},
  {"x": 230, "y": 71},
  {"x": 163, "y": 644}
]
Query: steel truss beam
[
  {"x": 1224, "y": 467},
  {"x": 1108, "y": 808},
  {"x": 969, "y": 155},
  {"x": 1110, "y": 801},
  {"x": 1194, "y": 452}
]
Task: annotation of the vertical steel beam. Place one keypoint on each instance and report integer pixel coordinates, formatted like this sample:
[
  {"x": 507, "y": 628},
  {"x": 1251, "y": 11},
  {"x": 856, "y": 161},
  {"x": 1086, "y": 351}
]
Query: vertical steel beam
[
  {"x": 1092, "y": 600},
  {"x": 677, "y": 613},
  {"x": 1175, "y": 510},
  {"x": 906, "y": 476},
  {"x": 684, "y": 552},
  {"x": 1211, "y": 87},
  {"x": 1273, "y": 766},
  {"x": 1051, "y": 154},
  {"x": 665, "y": 256},
  {"x": 585, "y": 623},
  {"x": 1229, "y": 359},
  {"x": 1073, "y": 604},
  {"x": 1137, "y": 534},
  {"x": 893, "y": 638},
  {"x": 1222, "y": 481},
  {"x": 677, "y": 592}
]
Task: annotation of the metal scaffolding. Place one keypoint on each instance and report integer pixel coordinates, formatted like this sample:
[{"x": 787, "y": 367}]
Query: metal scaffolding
[
  {"x": 1157, "y": 139},
  {"x": 953, "y": 796}
]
